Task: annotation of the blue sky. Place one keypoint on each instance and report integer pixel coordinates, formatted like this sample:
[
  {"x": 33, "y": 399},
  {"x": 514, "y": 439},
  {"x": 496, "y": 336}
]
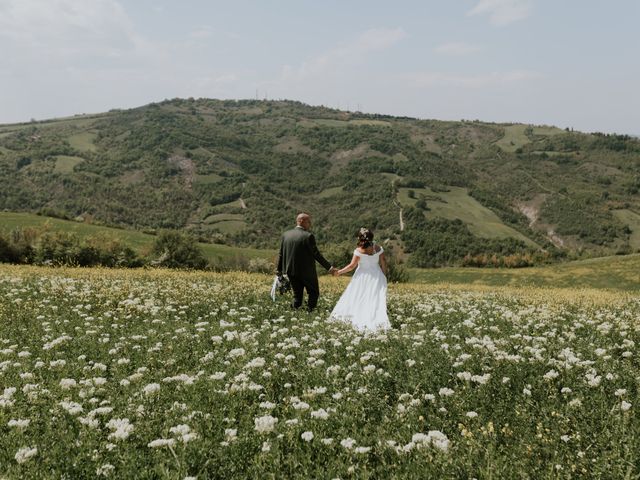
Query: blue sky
[{"x": 568, "y": 63}]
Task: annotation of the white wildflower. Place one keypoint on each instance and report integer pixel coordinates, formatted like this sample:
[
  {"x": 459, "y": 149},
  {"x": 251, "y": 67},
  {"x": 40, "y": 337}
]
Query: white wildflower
[
  {"x": 348, "y": 443},
  {"x": 151, "y": 388},
  {"x": 236, "y": 353},
  {"x": 72, "y": 408},
  {"x": 120, "y": 427},
  {"x": 320, "y": 413},
  {"x": 67, "y": 383},
  {"x": 25, "y": 453},
  {"x": 105, "y": 470},
  {"x": 20, "y": 424},
  {"x": 162, "y": 442},
  {"x": 445, "y": 392},
  {"x": 265, "y": 424}
]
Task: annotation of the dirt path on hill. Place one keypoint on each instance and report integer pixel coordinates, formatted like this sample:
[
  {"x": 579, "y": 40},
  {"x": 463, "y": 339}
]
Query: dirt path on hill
[{"x": 401, "y": 219}]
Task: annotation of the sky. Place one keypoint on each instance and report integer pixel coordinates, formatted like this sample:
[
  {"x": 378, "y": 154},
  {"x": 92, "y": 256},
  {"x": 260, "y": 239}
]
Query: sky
[{"x": 568, "y": 63}]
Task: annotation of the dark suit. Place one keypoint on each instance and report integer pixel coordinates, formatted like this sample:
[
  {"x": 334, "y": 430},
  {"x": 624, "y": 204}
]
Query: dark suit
[{"x": 297, "y": 258}]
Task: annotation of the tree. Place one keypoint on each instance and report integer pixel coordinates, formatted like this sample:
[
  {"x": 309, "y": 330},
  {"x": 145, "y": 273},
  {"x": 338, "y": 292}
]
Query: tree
[{"x": 173, "y": 249}]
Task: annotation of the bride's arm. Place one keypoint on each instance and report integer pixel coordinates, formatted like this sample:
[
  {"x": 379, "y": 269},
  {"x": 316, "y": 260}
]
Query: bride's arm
[
  {"x": 351, "y": 266},
  {"x": 383, "y": 264}
]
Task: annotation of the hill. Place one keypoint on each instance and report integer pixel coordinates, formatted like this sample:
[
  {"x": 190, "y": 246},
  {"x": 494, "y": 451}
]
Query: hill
[
  {"x": 237, "y": 172},
  {"x": 141, "y": 242}
]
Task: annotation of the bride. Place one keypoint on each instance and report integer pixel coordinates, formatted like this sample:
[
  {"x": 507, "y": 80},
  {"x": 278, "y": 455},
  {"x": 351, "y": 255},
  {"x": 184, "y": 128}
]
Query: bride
[{"x": 364, "y": 302}]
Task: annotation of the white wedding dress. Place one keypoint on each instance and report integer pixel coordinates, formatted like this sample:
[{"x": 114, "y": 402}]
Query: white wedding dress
[{"x": 364, "y": 302}]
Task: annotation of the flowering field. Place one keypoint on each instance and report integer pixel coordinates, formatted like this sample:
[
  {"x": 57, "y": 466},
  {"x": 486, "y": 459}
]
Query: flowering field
[{"x": 128, "y": 374}]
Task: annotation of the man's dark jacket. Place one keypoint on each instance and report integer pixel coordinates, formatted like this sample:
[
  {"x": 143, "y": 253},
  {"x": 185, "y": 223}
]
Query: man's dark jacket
[{"x": 298, "y": 255}]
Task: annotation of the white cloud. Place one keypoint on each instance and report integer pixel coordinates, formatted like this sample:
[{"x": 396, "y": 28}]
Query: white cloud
[
  {"x": 440, "y": 79},
  {"x": 207, "y": 82},
  {"x": 502, "y": 12},
  {"x": 61, "y": 57},
  {"x": 457, "y": 48},
  {"x": 64, "y": 28},
  {"x": 207, "y": 32},
  {"x": 372, "y": 40},
  {"x": 201, "y": 32}
]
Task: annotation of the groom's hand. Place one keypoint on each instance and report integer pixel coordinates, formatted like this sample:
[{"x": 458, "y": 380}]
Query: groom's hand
[{"x": 333, "y": 271}]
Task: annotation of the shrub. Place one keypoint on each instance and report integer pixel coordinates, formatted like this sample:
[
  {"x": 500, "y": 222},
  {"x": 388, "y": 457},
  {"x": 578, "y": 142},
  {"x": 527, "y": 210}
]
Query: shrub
[
  {"x": 174, "y": 249},
  {"x": 396, "y": 272},
  {"x": 58, "y": 248},
  {"x": 260, "y": 265},
  {"x": 8, "y": 252}
]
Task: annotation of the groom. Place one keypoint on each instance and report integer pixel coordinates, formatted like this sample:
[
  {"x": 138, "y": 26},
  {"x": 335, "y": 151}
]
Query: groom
[{"x": 297, "y": 257}]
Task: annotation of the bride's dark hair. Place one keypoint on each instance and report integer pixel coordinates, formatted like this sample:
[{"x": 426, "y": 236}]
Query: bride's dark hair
[{"x": 365, "y": 237}]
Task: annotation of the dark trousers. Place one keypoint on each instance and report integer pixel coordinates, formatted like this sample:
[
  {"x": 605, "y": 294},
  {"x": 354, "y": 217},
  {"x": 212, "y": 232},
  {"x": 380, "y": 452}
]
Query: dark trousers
[{"x": 298, "y": 285}]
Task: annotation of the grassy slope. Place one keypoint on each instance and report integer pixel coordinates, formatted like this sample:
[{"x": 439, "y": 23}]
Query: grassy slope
[
  {"x": 619, "y": 272},
  {"x": 514, "y": 137},
  {"x": 65, "y": 164},
  {"x": 141, "y": 242},
  {"x": 631, "y": 219},
  {"x": 458, "y": 204}
]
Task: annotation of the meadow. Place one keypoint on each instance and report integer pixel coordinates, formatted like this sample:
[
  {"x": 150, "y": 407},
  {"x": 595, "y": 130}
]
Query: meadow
[
  {"x": 620, "y": 272},
  {"x": 159, "y": 374}
]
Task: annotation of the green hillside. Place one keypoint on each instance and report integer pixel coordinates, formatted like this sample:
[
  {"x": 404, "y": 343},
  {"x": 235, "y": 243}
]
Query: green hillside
[
  {"x": 139, "y": 241},
  {"x": 457, "y": 203},
  {"x": 237, "y": 172}
]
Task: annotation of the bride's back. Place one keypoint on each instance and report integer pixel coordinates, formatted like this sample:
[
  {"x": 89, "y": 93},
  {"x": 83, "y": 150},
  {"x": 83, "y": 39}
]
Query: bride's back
[{"x": 368, "y": 260}]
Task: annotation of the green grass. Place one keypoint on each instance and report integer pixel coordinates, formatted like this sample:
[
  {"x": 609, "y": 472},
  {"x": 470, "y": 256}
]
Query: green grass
[
  {"x": 141, "y": 242},
  {"x": 617, "y": 273},
  {"x": 226, "y": 222},
  {"x": 76, "y": 122},
  {"x": 219, "y": 217},
  {"x": 65, "y": 164},
  {"x": 631, "y": 219},
  {"x": 207, "y": 179},
  {"x": 234, "y": 204},
  {"x": 458, "y": 204},
  {"x": 329, "y": 122},
  {"x": 547, "y": 130},
  {"x": 229, "y": 226},
  {"x": 514, "y": 138},
  {"x": 377, "y": 123},
  {"x": 553, "y": 153},
  {"x": 392, "y": 176},
  {"x": 83, "y": 141},
  {"x": 330, "y": 192}
]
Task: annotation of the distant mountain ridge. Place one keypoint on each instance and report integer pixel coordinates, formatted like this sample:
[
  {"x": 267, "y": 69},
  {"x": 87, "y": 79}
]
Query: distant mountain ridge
[{"x": 238, "y": 171}]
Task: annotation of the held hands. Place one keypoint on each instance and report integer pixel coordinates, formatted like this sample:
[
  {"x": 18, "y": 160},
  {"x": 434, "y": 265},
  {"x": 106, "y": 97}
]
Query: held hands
[{"x": 334, "y": 271}]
